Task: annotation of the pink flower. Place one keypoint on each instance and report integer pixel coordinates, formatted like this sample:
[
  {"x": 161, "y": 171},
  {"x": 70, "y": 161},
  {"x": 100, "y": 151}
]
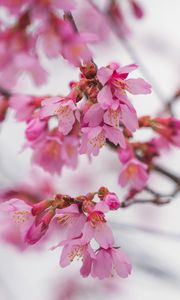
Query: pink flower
[
  {"x": 24, "y": 106},
  {"x": 115, "y": 82},
  {"x": 62, "y": 108},
  {"x": 96, "y": 228},
  {"x": 75, "y": 248},
  {"x": 134, "y": 172},
  {"x": 126, "y": 154},
  {"x": 169, "y": 128},
  {"x": 75, "y": 50},
  {"x": 47, "y": 154},
  {"x": 73, "y": 219},
  {"x": 69, "y": 151},
  {"x": 109, "y": 259},
  {"x": 94, "y": 138},
  {"x": 16, "y": 218},
  {"x": 35, "y": 128},
  {"x": 92, "y": 20},
  {"x": 112, "y": 201},
  {"x": 52, "y": 151}
]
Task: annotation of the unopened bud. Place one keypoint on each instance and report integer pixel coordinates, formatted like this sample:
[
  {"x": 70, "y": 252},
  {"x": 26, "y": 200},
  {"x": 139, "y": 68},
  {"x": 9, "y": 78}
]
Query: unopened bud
[
  {"x": 102, "y": 192},
  {"x": 40, "y": 207}
]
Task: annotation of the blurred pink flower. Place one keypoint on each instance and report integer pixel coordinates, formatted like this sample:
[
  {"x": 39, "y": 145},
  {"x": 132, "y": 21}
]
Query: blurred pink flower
[
  {"x": 16, "y": 218},
  {"x": 169, "y": 128},
  {"x": 52, "y": 151},
  {"x": 24, "y": 106},
  {"x": 35, "y": 128},
  {"x": 134, "y": 172}
]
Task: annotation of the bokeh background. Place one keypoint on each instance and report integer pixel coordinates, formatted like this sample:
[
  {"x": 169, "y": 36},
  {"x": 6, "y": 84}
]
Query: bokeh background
[{"x": 149, "y": 234}]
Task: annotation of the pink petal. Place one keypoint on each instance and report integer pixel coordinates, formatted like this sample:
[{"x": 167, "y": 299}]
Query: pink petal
[
  {"x": 129, "y": 118},
  {"x": 121, "y": 263},
  {"x": 103, "y": 235},
  {"x": 94, "y": 115},
  {"x": 75, "y": 228},
  {"x": 138, "y": 86},
  {"x": 88, "y": 233},
  {"x": 86, "y": 267},
  {"x": 104, "y": 74},
  {"x": 127, "y": 69},
  {"x": 123, "y": 177},
  {"x": 104, "y": 97},
  {"x": 102, "y": 266},
  {"x": 115, "y": 135},
  {"x": 112, "y": 117}
]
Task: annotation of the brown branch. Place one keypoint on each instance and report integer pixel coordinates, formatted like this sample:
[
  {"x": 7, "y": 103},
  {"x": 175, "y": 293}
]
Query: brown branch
[
  {"x": 68, "y": 16},
  {"x": 168, "y": 174},
  {"x": 155, "y": 201},
  {"x": 4, "y": 92}
]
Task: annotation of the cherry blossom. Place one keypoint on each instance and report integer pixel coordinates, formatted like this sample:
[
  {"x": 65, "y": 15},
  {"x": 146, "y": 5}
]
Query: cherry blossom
[
  {"x": 134, "y": 172},
  {"x": 63, "y": 108},
  {"x": 107, "y": 259}
]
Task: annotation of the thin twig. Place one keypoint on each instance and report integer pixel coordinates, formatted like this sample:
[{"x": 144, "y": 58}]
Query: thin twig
[
  {"x": 6, "y": 93},
  {"x": 168, "y": 174},
  {"x": 157, "y": 201}
]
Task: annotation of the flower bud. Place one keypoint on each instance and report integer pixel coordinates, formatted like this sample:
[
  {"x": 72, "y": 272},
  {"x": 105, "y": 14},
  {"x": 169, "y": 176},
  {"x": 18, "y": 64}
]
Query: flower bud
[
  {"x": 102, "y": 192},
  {"x": 40, "y": 207},
  {"x": 112, "y": 201},
  {"x": 89, "y": 70}
]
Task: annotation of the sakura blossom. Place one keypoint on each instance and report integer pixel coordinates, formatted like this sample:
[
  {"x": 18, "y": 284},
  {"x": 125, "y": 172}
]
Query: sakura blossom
[
  {"x": 65, "y": 130},
  {"x": 115, "y": 83},
  {"x": 134, "y": 172},
  {"x": 64, "y": 109},
  {"x": 107, "y": 259}
]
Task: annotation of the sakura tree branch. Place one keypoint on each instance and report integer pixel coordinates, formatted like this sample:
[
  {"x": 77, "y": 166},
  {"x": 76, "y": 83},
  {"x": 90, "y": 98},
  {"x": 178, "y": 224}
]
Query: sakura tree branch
[
  {"x": 68, "y": 16},
  {"x": 4, "y": 92},
  {"x": 168, "y": 174},
  {"x": 157, "y": 201}
]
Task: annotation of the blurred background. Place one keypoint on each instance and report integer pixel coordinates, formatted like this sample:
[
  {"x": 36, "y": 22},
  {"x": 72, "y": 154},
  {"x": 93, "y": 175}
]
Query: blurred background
[{"x": 149, "y": 234}]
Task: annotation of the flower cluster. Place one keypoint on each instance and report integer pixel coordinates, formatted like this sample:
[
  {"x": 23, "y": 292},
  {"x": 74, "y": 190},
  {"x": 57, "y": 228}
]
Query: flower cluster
[
  {"x": 39, "y": 23},
  {"x": 138, "y": 158},
  {"x": 83, "y": 219},
  {"x": 27, "y": 194},
  {"x": 96, "y": 110}
]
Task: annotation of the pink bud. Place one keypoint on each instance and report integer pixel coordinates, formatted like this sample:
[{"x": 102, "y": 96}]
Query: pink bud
[
  {"x": 137, "y": 10},
  {"x": 40, "y": 207},
  {"x": 46, "y": 219},
  {"x": 112, "y": 201},
  {"x": 35, "y": 233},
  {"x": 39, "y": 227}
]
